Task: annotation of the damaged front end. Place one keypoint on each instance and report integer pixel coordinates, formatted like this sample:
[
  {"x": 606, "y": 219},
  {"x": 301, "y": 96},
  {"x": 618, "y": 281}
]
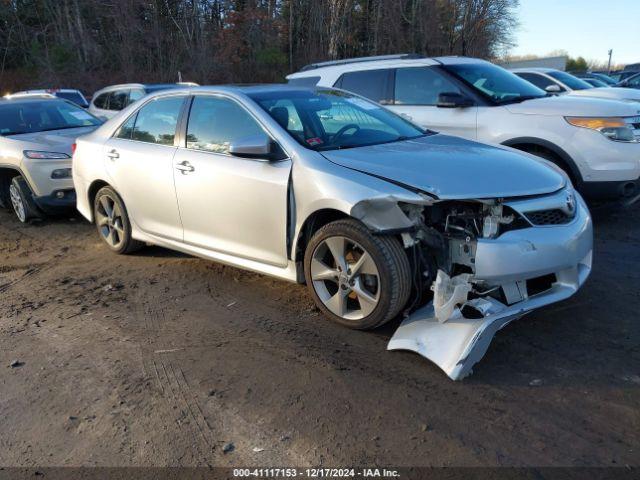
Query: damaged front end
[{"x": 480, "y": 264}]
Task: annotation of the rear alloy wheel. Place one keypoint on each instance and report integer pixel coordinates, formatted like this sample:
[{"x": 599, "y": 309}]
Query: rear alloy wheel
[
  {"x": 22, "y": 200},
  {"x": 112, "y": 222},
  {"x": 357, "y": 279}
]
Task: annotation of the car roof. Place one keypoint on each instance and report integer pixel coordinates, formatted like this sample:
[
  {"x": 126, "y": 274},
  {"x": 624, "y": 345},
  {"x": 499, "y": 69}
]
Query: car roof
[
  {"x": 50, "y": 90},
  {"x": 240, "y": 89},
  {"x": 30, "y": 98},
  {"x": 249, "y": 89},
  {"x": 379, "y": 62},
  {"x": 148, "y": 85}
]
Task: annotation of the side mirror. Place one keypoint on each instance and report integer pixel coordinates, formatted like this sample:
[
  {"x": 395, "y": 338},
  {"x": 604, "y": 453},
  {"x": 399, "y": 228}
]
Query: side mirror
[
  {"x": 454, "y": 100},
  {"x": 553, "y": 89},
  {"x": 254, "y": 146}
]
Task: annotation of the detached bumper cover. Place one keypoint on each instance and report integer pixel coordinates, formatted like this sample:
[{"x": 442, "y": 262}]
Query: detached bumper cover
[{"x": 457, "y": 344}]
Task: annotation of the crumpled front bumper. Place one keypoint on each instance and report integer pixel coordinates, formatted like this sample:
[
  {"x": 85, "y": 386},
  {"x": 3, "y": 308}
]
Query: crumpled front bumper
[{"x": 457, "y": 344}]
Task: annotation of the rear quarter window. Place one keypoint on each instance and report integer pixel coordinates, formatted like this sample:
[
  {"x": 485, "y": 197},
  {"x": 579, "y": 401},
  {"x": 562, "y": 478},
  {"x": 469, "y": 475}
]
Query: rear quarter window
[
  {"x": 101, "y": 101},
  {"x": 304, "y": 81}
]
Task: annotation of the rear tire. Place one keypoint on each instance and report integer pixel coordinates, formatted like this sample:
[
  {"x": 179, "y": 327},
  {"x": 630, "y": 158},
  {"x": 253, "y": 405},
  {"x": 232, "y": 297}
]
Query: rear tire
[
  {"x": 22, "y": 202},
  {"x": 112, "y": 222},
  {"x": 357, "y": 279}
]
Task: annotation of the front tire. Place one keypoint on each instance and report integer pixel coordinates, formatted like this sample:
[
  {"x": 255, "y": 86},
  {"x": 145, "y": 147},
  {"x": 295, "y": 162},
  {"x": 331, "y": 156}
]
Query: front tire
[
  {"x": 112, "y": 222},
  {"x": 357, "y": 279},
  {"x": 22, "y": 200}
]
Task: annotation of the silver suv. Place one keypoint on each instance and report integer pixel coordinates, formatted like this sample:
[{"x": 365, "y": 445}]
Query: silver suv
[{"x": 36, "y": 136}]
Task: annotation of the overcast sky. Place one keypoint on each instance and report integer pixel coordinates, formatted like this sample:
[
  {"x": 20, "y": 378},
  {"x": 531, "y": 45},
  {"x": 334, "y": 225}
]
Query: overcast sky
[{"x": 587, "y": 28}]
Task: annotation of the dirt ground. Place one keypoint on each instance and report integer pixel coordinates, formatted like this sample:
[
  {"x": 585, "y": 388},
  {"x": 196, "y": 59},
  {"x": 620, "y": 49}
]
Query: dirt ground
[{"x": 163, "y": 359}]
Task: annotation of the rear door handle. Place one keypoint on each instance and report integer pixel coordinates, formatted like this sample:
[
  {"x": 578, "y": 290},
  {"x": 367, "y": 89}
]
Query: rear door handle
[
  {"x": 185, "y": 167},
  {"x": 113, "y": 154}
]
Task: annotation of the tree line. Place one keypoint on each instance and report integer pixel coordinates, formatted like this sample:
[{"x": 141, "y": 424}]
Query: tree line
[{"x": 92, "y": 43}]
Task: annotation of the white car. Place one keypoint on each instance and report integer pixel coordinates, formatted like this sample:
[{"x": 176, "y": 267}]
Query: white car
[
  {"x": 71, "y": 94},
  {"x": 596, "y": 141},
  {"x": 323, "y": 187},
  {"x": 107, "y": 102},
  {"x": 36, "y": 135},
  {"x": 559, "y": 82}
]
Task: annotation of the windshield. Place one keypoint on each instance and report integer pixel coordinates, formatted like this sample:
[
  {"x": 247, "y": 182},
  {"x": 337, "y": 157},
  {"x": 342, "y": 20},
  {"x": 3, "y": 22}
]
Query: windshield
[
  {"x": 604, "y": 78},
  {"x": 596, "y": 83},
  {"x": 29, "y": 116},
  {"x": 495, "y": 83},
  {"x": 332, "y": 119},
  {"x": 574, "y": 83}
]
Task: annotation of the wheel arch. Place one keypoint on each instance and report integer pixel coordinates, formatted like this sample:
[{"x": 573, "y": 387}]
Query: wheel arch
[
  {"x": 92, "y": 191},
  {"x": 7, "y": 172},
  {"x": 311, "y": 225},
  {"x": 532, "y": 144}
]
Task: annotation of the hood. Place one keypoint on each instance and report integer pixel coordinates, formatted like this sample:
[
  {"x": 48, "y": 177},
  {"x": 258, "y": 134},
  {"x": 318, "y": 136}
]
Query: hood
[
  {"x": 613, "y": 93},
  {"x": 573, "y": 105},
  {"x": 453, "y": 168},
  {"x": 53, "y": 140}
]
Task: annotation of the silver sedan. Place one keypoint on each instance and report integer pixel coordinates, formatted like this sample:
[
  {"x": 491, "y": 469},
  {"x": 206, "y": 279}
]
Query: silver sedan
[{"x": 378, "y": 217}]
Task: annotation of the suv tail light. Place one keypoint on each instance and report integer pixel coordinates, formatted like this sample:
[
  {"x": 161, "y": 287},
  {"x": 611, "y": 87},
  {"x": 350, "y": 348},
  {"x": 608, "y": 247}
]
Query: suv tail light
[{"x": 73, "y": 148}]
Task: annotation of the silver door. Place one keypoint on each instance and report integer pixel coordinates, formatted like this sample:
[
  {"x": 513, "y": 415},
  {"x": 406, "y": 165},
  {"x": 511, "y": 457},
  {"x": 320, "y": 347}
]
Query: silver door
[
  {"x": 141, "y": 170},
  {"x": 230, "y": 204}
]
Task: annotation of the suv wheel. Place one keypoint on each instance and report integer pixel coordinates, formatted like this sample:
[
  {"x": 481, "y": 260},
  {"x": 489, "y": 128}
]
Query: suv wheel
[
  {"x": 357, "y": 279},
  {"x": 22, "y": 200},
  {"x": 112, "y": 222}
]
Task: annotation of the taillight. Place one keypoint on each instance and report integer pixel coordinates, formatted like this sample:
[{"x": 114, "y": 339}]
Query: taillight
[{"x": 73, "y": 148}]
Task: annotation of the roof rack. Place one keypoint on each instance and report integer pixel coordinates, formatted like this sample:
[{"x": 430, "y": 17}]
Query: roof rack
[{"x": 400, "y": 56}]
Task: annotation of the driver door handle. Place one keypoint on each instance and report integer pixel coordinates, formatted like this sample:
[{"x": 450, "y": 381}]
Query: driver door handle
[
  {"x": 185, "y": 167},
  {"x": 113, "y": 154}
]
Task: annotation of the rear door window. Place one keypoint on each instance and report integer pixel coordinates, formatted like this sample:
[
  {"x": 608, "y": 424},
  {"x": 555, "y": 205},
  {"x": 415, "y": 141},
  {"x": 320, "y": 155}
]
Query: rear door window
[
  {"x": 156, "y": 122},
  {"x": 421, "y": 86},
  {"x": 372, "y": 84}
]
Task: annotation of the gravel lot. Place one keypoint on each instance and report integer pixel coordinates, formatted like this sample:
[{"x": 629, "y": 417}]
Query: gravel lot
[{"x": 163, "y": 359}]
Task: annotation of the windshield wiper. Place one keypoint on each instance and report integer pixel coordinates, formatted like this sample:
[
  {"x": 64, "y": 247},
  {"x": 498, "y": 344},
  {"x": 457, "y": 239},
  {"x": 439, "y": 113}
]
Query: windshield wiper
[
  {"x": 521, "y": 99},
  {"x": 61, "y": 128},
  {"x": 7, "y": 134},
  {"x": 401, "y": 138}
]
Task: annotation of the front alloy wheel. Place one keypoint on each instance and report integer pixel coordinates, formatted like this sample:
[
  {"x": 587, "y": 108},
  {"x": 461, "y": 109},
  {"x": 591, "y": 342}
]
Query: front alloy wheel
[
  {"x": 357, "y": 279},
  {"x": 17, "y": 203},
  {"x": 345, "y": 278},
  {"x": 22, "y": 201}
]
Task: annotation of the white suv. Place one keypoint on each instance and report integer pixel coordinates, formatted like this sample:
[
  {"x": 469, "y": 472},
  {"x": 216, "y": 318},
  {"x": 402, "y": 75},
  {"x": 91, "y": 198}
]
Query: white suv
[{"x": 596, "y": 141}]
